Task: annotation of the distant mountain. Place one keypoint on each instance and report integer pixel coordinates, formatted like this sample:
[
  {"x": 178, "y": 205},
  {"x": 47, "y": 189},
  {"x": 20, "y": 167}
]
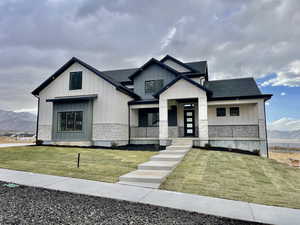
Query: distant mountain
[
  {"x": 277, "y": 134},
  {"x": 17, "y": 121}
]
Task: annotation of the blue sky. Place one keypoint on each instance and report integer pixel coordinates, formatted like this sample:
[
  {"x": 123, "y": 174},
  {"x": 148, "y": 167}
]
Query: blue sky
[{"x": 284, "y": 103}]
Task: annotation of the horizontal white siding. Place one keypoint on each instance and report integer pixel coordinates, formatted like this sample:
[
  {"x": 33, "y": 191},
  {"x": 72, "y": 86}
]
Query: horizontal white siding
[{"x": 248, "y": 115}]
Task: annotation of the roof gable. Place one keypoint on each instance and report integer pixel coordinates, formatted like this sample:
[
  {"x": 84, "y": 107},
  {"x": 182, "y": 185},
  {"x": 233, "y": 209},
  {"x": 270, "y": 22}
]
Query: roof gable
[
  {"x": 73, "y": 60},
  {"x": 156, "y": 95},
  {"x": 151, "y": 62},
  {"x": 176, "y": 61}
]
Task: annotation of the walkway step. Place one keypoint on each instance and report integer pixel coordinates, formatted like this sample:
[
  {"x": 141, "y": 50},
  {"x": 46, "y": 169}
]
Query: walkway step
[
  {"x": 178, "y": 147},
  {"x": 140, "y": 184},
  {"x": 174, "y": 152},
  {"x": 158, "y": 165},
  {"x": 167, "y": 157},
  {"x": 145, "y": 176}
]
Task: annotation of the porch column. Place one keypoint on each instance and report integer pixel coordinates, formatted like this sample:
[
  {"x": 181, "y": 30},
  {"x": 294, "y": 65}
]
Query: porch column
[
  {"x": 202, "y": 121},
  {"x": 163, "y": 122},
  {"x": 262, "y": 128}
]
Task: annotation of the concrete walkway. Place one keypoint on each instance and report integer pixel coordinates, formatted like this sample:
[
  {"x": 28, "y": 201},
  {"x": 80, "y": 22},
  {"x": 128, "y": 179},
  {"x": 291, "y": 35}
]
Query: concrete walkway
[
  {"x": 15, "y": 145},
  {"x": 195, "y": 203},
  {"x": 152, "y": 173}
]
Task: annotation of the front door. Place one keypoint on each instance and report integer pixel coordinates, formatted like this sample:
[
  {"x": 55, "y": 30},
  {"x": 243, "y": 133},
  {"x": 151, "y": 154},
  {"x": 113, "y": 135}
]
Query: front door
[{"x": 189, "y": 123}]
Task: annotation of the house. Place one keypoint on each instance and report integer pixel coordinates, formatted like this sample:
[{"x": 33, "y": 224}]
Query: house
[{"x": 162, "y": 100}]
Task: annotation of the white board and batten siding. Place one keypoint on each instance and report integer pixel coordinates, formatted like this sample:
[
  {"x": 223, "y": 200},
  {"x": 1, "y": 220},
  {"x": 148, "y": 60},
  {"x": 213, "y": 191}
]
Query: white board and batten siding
[{"x": 109, "y": 108}]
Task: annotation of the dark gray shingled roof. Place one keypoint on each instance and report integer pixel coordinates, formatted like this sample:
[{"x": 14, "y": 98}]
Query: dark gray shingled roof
[
  {"x": 122, "y": 75},
  {"x": 242, "y": 87}
]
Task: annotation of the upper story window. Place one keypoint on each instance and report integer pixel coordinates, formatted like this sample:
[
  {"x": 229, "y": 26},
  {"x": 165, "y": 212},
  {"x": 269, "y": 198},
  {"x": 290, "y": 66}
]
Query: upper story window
[
  {"x": 153, "y": 86},
  {"x": 75, "y": 80},
  {"x": 221, "y": 112},
  {"x": 234, "y": 111}
]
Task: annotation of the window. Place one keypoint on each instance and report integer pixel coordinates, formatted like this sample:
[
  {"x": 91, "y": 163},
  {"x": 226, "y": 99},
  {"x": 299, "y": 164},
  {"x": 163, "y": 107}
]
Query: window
[
  {"x": 234, "y": 111},
  {"x": 70, "y": 121},
  {"x": 221, "y": 112},
  {"x": 148, "y": 118},
  {"x": 75, "y": 80},
  {"x": 153, "y": 86},
  {"x": 172, "y": 116}
]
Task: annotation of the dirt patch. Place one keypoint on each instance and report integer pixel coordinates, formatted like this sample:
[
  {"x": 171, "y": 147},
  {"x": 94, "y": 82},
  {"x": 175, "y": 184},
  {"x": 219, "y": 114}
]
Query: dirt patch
[
  {"x": 284, "y": 157},
  {"x": 5, "y": 140}
]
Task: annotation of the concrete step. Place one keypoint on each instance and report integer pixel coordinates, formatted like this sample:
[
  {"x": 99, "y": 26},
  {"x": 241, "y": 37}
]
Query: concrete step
[
  {"x": 145, "y": 176},
  {"x": 167, "y": 157},
  {"x": 158, "y": 165},
  {"x": 140, "y": 184},
  {"x": 179, "y": 147},
  {"x": 176, "y": 152}
]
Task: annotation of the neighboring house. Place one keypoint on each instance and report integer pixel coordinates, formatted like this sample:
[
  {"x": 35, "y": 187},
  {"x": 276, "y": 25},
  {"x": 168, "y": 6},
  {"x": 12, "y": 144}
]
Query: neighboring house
[{"x": 161, "y": 100}]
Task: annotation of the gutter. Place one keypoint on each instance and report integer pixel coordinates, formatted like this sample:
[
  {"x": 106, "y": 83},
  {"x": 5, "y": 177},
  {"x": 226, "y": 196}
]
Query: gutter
[
  {"x": 37, "y": 120},
  {"x": 129, "y": 130},
  {"x": 267, "y": 145}
]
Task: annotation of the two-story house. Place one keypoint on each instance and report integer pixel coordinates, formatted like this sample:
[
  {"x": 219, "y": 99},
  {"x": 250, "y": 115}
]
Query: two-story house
[{"x": 154, "y": 104}]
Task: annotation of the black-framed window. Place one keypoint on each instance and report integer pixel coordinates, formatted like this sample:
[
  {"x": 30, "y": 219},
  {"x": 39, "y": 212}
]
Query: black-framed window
[
  {"x": 234, "y": 111},
  {"x": 75, "y": 80},
  {"x": 153, "y": 86},
  {"x": 221, "y": 112},
  {"x": 148, "y": 117},
  {"x": 172, "y": 116},
  {"x": 70, "y": 121}
]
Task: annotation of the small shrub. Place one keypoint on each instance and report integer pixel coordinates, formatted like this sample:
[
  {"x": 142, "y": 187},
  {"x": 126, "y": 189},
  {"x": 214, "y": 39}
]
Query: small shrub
[
  {"x": 39, "y": 142},
  {"x": 256, "y": 151},
  {"x": 207, "y": 145}
]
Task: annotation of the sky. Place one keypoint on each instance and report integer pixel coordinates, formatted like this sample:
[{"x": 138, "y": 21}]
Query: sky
[{"x": 238, "y": 38}]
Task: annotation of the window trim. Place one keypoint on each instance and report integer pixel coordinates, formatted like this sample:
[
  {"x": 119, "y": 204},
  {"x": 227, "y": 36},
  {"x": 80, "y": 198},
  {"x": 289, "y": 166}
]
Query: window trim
[
  {"x": 74, "y": 73},
  {"x": 233, "y": 108},
  {"x": 218, "y": 108}
]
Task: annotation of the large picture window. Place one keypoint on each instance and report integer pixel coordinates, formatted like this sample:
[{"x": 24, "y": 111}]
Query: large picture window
[
  {"x": 70, "y": 121},
  {"x": 153, "y": 86},
  {"x": 75, "y": 80},
  {"x": 148, "y": 118}
]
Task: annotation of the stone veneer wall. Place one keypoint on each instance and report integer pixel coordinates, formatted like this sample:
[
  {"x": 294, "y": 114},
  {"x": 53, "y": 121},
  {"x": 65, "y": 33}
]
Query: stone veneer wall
[
  {"x": 110, "y": 131},
  {"x": 45, "y": 132},
  {"x": 233, "y": 131}
]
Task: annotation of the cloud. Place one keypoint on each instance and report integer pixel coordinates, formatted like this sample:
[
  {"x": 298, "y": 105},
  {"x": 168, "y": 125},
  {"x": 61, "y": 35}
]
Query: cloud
[
  {"x": 285, "y": 124},
  {"x": 237, "y": 38},
  {"x": 33, "y": 110},
  {"x": 290, "y": 76},
  {"x": 282, "y": 93}
]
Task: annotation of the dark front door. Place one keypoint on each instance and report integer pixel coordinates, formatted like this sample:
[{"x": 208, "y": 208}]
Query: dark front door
[{"x": 189, "y": 123}]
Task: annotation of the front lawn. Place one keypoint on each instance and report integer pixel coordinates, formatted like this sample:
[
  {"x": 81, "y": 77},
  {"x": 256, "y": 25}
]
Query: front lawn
[
  {"x": 238, "y": 177},
  {"x": 95, "y": 164}
]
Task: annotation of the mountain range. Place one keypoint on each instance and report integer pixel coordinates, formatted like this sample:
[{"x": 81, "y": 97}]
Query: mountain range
[{"x": 17, "y": 121}]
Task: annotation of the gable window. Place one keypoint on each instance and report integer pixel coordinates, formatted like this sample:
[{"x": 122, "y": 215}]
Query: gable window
[
  {"x": 153, "y": 86},
  {"x": 70, "y": 121},
  {"x": 234, "y": 111},
  {"x": 221, "y": 112},
  {"x": 75, "y": 80},
  {"x": 148, "y": 117}
]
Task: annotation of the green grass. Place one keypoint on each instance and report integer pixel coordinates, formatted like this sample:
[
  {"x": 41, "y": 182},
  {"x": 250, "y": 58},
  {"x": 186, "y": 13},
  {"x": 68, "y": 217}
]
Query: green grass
[
  {"x": 238, "y": 177},
  {"x": 95, "y": 164}
]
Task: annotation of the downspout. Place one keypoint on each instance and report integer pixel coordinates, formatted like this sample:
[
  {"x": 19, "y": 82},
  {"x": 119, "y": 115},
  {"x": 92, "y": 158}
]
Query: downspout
[
  {"x": 37, "y": 120},
  {"x": 129, "y": 132},
  {"x": 267, "y": 145}
]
